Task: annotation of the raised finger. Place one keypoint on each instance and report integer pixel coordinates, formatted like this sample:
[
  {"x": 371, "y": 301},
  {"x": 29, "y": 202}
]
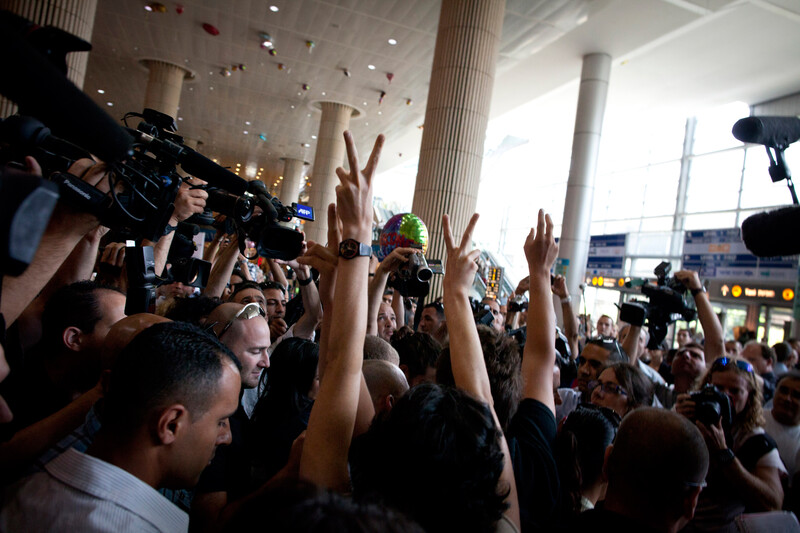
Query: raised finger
[
  {"x": 474, "y": 255},
  {"x": 120, "y": 256},
  {"x": 448, "y": 236},
  {"x": 466, "y": 239},
  {"x": 352, "y": 153},
  {"x": 374, "y": 157},
  {"x": 540, "y": 225},
  {"x": 548, "y": 231},
  {"x": 33, "y": 166}
]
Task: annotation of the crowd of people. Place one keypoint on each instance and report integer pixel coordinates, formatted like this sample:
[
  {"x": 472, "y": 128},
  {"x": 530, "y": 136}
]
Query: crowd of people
[{"x": 304, "y": 395}]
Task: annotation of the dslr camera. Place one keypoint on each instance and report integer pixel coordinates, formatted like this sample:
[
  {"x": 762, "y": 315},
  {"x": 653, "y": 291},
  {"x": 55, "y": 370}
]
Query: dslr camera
[{"x": 711, "y": 405}]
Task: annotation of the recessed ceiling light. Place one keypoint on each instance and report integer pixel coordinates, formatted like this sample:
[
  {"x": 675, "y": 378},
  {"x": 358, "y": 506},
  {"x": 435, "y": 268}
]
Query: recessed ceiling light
[
  {"x": 371, "y": 67},
  {"x": 365, "y": 103},
  {"x": 274, "y": 9},
  {"x": 308, "y": 115},
  {"x": 245, "y": 132},
  {"x": 306, "y": 145},
  {"x": 238, "y": 164},
  {"x": 191, "y": 88},
  {"x": 210, "y": 88},
  {"x": 313, "y": 136},
  {"x": 110, "y": 104},
  {"x": 180, "y": 118},
  {"x": 366, "y": 123},
  {"x": 380, "y": 112},
  {"x": 292, "y": 107},
  {"x": 392, "y": 41},
  {"x": 323, "y": 93},
  {"x": 261, "y": 169},
  {"x": 101, "y": 91},
  {"x": 247, "y": 122},
  {"x": 298, "y": 94}
]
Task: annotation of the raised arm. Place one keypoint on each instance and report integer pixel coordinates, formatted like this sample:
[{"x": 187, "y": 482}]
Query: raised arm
[
  {"x": 570, "y": 319},
  {"x": 391, "y": 263},
  {"x": 469, "y": 367},
  {"x": 714, "y": 345},
  {"x": 330, "y": 426},
  {"x": 312, "y": 308},
  {"x": 539, "y": 355},
  {"x": 221, "y": 271},
  {"x": 277, "y": 272}
]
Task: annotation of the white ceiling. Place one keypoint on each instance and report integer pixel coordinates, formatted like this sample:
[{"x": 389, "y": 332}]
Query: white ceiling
[{"x": 680, "y": 54}]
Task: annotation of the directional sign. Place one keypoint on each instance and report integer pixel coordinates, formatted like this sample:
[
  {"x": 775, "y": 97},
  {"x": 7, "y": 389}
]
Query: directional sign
[
  {"x": 606, "y": 255},
  {"x": 721, "y": 254},
  {"x": 781, "y": 295}
]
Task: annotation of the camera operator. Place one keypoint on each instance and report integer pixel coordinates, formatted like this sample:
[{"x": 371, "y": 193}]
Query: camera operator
[{"x": 746, "y": 469}]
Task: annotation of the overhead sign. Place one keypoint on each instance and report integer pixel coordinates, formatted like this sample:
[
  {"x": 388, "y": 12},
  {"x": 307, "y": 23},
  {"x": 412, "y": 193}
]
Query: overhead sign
[
  {"x": 606, "y": 255},
  {"x": 737, "y": 291},
  {"x": 494, "y": 280},
  {"x": 721, "y": 254}
]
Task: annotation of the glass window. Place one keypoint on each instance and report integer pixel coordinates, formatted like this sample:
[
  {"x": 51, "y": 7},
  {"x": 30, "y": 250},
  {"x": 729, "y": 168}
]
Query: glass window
[
  {"x": 713, "y": 130},
  {"x": 710, "y": 221},
  {"x": 758, "y": 190},
  {"x": 714, "y": 182}
]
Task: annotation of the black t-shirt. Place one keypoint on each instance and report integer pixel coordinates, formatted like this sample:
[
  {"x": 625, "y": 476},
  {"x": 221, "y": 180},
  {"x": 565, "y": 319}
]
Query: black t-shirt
[
  {"x": 598, "y": 519},
  {"x": 531, "y": 435},
  {"x": 229, "y": 470}
]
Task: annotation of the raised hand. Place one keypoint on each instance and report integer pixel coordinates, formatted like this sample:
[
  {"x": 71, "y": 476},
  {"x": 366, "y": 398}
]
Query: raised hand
[
  {"x": 354, "y": 193},
  {"x": 395, "y": 260},
  {"x": 541, "y": 249},
  {"x": 560, "y": 287},
  {"x": 461, "y": 266}
]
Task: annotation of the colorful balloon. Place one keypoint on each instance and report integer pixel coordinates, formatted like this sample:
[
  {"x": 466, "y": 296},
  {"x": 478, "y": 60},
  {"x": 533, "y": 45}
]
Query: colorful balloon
[{"x": 403, "y": 230}]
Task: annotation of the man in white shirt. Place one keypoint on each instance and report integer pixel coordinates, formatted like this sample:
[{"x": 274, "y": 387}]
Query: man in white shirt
[
  {"x": 783, "y": 421},
  {"x": 172, "y": 390}
]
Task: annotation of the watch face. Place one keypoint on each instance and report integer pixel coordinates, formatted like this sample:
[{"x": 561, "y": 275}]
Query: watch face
[{"x": 348, "y": 248}]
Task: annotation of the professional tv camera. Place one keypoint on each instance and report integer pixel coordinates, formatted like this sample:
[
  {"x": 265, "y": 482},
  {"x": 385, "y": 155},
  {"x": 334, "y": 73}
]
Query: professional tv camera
[{"x": 666, "y": 305}]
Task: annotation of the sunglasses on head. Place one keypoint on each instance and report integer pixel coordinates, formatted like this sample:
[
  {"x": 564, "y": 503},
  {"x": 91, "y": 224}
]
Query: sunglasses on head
[
  {"x": 722, "y": 362},
  {"x": 272, "y": 285},
  {"x": 247, "y": 312}
]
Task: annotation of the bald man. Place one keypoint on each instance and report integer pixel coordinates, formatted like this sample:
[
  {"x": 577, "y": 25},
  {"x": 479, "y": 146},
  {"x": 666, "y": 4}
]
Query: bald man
[
  {"x": 377, "y": 348},
  {"x": 656, "y": 469},
  {"x": 386, "y": 384}
]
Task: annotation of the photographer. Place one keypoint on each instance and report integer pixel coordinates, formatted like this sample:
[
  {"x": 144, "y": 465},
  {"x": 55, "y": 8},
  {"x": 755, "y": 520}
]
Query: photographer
[
  {"x": 381, "y": 318},
  {"x": 746, "y": 469}
]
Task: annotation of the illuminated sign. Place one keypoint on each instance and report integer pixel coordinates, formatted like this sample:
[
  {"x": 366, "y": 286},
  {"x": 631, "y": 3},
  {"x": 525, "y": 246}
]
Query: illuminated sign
[
  {"x": 749, "y": 291},
  {"x": 494, "y": 280}
]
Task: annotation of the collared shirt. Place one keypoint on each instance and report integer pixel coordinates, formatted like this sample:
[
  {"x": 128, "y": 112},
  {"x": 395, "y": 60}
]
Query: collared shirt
[{"x": 78, "y": 492}]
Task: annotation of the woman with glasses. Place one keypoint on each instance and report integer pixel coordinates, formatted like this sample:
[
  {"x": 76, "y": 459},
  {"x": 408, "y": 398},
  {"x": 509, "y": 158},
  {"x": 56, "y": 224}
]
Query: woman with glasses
[
  {"x": 580, "y": 450},
  {"x": 622, "y": 388},
  {"x": 746, "y": 469}
]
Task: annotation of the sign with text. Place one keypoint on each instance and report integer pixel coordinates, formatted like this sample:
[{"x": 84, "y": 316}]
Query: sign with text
[
  {"x": 742, "y": 290},
  {"x": 494, "y": 280},
  {"x": 606, "y": 255},
  {"x": 721, "y": 254}
]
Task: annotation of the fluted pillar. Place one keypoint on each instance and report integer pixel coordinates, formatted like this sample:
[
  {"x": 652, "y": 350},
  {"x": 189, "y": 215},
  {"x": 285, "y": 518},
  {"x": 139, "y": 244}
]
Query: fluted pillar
[
  {"x": 293, "y": 174},
  {"x": 329, "y": 155},
  {"x": 456, "y": 116},
  {"x": 164, "y": 86},
  {"x": 576, "y": 227},
  {"x": 73, "y": 16}
]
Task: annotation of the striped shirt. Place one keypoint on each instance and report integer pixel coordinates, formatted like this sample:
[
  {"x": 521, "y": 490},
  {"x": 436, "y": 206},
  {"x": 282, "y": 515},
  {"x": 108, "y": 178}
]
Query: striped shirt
[{"x": 78, "y": 492}]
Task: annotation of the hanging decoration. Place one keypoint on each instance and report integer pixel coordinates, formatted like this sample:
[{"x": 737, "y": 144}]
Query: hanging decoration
[
  {"x": 346, "y": 72},
  {"x": 390, "y": 77},
  {"x": 310, "y": 45},
  {"x": 155, "y": 7},
  {"x": 210, "y": 29},
  {"x": 273, "y": 52},
  {"x": 179, "y": 9},
  {"x": 306, "y": 86},
  {"x": 266, "y": 40},
  {"x": 239, "y": 66},
  {"x": 281, "y": 66},
  {"x": 225, "y": 73},
  {"x": 409, "y": 101},
  {"x": 381, "y": 97}
]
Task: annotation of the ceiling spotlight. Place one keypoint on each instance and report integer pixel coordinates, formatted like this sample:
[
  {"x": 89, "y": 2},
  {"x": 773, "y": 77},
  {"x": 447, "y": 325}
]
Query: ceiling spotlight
[
  {"x": 110, "y": 104},
  {"x": 371, "y": 67},
  {"x": 313, "y": 136},
  {"x": 323, "y": 93},
  {"x": 180, "y": 118},
  {"x": 101, "y": 91},
  {"x": 292, "y": 107},
  {"x": 247, "y": 122},
  {"x": 392, "y": 41},
  {"x": 261, "y": 169},
  {"x": 274, "y": 9},
  {"x": 365, "y": 103},
  {"x": 245, "y": 132},
  {"x": 306, "y": 145},
  {"x": 238, "y": 164}
]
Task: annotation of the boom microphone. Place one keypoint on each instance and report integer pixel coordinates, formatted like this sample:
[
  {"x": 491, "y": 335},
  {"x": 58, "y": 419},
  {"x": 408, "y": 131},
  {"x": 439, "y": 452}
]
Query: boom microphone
[
  {"x": 777, "y": 132},
  {"x": 774, "y": 233}
]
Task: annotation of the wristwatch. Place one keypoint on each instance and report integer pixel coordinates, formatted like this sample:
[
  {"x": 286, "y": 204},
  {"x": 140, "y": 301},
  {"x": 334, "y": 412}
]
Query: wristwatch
[
  {"x": 695, "y": 292},
  {"x": 724, "y": 457},
  {"x": 351, "y": 248},
  {"x": 169, "y": 229}
]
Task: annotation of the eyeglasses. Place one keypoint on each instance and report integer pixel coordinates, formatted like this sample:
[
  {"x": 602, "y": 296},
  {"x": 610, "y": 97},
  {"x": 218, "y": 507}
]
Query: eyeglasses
[
  {"x": 722, "y": 362},
  {"x": 609, "y": 414},
  {"x": 608, "y": 388},
  {"x": 247, "y": 312}
]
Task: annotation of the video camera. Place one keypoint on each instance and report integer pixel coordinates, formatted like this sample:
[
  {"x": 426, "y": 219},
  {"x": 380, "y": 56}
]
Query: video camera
[
  {"x": 413, "y": 278},
  {"x": 666, "y": 305}
]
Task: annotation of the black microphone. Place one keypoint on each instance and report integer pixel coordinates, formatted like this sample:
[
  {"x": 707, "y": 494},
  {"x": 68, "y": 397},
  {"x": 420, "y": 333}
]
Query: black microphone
[
  {"x": 774, "y": 233},
  {"x": 38, "y": 87},
  {"x": 207, "y": 170},
  {"x": 777, "y": 132}
]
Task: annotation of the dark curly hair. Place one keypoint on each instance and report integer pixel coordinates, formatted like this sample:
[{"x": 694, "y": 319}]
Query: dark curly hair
[
  {"x": 435, "y": 457},
  {"x": 503, "y": 364}
]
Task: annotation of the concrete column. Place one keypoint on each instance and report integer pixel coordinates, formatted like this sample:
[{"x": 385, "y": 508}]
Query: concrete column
[
  {"x": 330, "y": 154},
  {"x": 451, "y": 156},
  {"x": 73, "y": 16},
  {"x": 576, "y": 228},
  {"x": 164, "y": 86},
  {"x": 293, "y": 174}
]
